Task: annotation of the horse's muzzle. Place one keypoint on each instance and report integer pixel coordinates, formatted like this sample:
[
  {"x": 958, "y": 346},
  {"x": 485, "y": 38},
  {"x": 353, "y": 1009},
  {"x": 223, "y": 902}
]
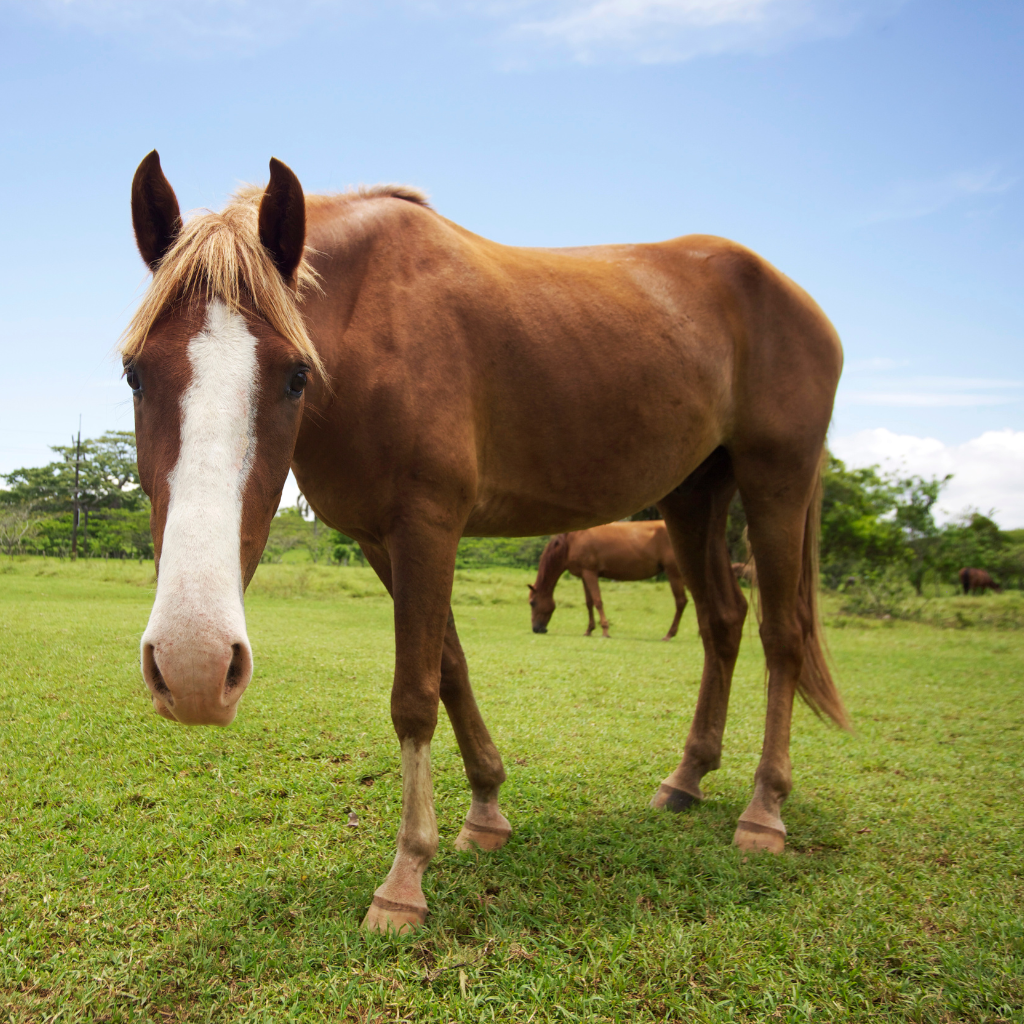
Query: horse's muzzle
[{"x": 197, "y": 684}]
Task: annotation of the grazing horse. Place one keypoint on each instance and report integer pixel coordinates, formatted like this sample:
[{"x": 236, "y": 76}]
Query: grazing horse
[
  {"x": 974, "y": 581},
  {"x": 616, "y": 551},
  {"x": 426, "y": 384}
]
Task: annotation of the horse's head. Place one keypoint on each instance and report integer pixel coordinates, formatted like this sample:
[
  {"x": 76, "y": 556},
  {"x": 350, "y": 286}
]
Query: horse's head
[
  {"x": 217, "y": 360},
  {"x": 542, "y": 607},
  {"x": 542, "y": 593}
]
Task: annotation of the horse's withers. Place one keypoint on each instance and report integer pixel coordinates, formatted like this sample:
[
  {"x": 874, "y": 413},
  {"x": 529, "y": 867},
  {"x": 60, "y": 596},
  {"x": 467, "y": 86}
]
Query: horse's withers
[{"x": 196, "y": 657}]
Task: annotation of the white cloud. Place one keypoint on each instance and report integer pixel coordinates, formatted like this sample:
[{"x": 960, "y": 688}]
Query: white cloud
[
  {"x": 910, "y": 199},
  {"x": 988, "y": 471}
]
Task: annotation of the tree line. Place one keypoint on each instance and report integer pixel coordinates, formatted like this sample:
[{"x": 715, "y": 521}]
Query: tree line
[
  {"x": 86, "y": 502},
  {"x": 875, "y": 526}
]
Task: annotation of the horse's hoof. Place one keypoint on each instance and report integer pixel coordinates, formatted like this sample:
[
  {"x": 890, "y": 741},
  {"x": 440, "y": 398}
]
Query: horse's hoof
[
  {"x": 482, "y": 837},
  {"x": 753, "y": 838},
  {"x": 400, "y": 918},
  {"x": 669, "y": 798}
]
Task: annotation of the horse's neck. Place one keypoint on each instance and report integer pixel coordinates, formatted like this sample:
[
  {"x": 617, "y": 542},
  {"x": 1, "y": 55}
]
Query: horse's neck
[{"x": 552, "y": 566}]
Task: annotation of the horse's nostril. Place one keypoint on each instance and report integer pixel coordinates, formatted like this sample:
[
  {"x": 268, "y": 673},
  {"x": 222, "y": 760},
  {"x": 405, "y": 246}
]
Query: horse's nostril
[
  {"x": 236, "y": 669},
  {"x": 152, "y": 673}
]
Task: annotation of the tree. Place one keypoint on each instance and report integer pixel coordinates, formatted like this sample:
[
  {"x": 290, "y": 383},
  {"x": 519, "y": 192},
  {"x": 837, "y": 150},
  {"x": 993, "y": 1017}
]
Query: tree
[
  {"x": 873, "y": 522},
  {"x": 108, "y": 491},
  {"x": 18, "y": 524}
]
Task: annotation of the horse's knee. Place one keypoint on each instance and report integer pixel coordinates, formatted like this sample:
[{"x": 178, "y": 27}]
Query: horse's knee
[{"x": 414, "y": 713}]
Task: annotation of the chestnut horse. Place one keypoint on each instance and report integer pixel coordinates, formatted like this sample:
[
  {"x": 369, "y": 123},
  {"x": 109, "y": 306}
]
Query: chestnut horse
[
  {"x": 616, "y": 551},
  {"x": 425, "y": 384}
]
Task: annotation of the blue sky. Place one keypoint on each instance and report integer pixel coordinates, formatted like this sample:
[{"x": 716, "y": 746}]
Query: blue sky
[{"x": 873, "y": 151}]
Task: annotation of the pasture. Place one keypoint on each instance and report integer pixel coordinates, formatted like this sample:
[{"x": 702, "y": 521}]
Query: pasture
[{"x": 152, "y": 872}]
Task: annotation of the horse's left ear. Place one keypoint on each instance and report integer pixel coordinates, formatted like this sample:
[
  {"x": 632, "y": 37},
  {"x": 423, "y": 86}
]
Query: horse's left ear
[
  {"x": 283, "y": 220},
  {"x": 533, "y": 589},
  {"x": 156, "y": 216}
]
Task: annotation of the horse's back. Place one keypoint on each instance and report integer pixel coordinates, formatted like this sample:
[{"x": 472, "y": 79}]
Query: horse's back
[
  {"x": 619, "y": 551},
  {"x": 563, "y": 387}
]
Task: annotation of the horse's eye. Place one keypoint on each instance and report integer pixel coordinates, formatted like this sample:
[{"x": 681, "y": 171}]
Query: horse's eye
[
  {"x": 297, "y": 383},
  {"x": 132, "y": 377}
]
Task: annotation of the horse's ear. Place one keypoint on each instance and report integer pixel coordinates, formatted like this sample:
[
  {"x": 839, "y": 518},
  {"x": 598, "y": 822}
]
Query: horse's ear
[
  {"x": 532, "y": 588},
  {"x": 283, "y": 220},
  {"x": 155, "y": 213}
]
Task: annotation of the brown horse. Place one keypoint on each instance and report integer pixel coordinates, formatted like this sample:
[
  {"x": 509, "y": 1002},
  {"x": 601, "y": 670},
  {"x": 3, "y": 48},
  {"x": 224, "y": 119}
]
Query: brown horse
[
  {"x": 424, "y": 384},
  {"x": 976, "y": 581},
  {"x": 616, "y": 551}
]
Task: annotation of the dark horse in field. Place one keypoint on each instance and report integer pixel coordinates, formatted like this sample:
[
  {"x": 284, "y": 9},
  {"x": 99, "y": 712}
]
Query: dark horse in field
[
  {"x": 974, "y": 581},
  {"x": 425, "y": 384},
  {"x": 616, "y": 551}
]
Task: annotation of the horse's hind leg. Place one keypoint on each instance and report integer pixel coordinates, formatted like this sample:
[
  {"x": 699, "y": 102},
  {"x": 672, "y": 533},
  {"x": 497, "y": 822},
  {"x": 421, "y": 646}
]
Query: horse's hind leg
[
  {"x": 590, "y": 609},
  {"x": 485, "y": 825},
  {"x": 781, "y": 499},
  {"x": 695, "y": 515},
  {"x": 594, "y": 589}
]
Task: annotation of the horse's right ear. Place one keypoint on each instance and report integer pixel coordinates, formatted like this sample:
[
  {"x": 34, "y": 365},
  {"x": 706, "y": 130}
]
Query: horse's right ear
[
  {"x": 282, "y": 221},
  {"x": 155, "y": 213},
  {"x": 533, "y": 589}
]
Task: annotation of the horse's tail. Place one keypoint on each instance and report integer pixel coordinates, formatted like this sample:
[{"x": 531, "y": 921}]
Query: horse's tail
[{"x": 816, "y": 685}]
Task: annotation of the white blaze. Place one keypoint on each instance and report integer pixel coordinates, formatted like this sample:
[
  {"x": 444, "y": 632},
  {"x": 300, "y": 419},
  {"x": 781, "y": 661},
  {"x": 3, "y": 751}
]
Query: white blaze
[{"x": 199, "y": 583}]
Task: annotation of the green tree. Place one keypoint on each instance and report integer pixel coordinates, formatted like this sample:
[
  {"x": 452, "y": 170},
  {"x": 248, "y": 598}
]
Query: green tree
[
  {"x": 872, "y": 522},
  {"x": 113, "y": 507}
]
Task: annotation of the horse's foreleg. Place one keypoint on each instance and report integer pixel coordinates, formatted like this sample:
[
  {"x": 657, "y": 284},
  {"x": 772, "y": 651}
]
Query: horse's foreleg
[
  {"x": 594, "y": 589},
  {"x": 675, "y": 581},
  {"x": 695, "y": 515},
  {"x": 485, "y": 825},
  {"x": 417, "y": 567}
]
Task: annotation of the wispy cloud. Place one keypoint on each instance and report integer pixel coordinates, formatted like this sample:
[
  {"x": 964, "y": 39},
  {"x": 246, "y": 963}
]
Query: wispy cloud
[
  {"x": 197, "y": 26},
  {"x": 656, "y": 31},
  {"x": 924, "y": 399},
  {"x": 907, "y": 200},
  {"x": 646, "y": 31},
  {"x": 872, "y": 382}
]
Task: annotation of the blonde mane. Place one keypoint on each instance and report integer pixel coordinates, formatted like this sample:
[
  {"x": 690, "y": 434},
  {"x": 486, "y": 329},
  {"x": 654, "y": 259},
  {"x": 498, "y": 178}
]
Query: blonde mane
[{"x": 220, "y": 255}]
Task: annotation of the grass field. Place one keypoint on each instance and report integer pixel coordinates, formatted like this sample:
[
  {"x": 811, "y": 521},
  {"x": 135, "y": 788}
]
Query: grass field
[{"x": 155, "y": 873}]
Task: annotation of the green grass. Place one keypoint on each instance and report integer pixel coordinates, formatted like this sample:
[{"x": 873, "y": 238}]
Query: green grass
[{"x": 155, "y": 873}]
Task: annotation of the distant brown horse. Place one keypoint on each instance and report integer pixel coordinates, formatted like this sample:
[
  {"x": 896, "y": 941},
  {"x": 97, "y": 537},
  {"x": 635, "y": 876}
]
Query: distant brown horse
[
  {"x": 745, "y": 571},
  {"x": 425, "y": 384},
  {"x": 974, "y": 581},
  {"x": 616, "y": 551}
]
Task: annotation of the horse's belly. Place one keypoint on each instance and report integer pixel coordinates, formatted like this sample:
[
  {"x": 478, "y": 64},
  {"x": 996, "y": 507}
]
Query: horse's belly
[{"x": 558, "y": 498}]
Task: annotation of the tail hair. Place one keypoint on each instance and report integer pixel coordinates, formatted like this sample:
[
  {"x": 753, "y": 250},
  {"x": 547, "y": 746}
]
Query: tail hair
[{"x": 816, "y": 685}]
